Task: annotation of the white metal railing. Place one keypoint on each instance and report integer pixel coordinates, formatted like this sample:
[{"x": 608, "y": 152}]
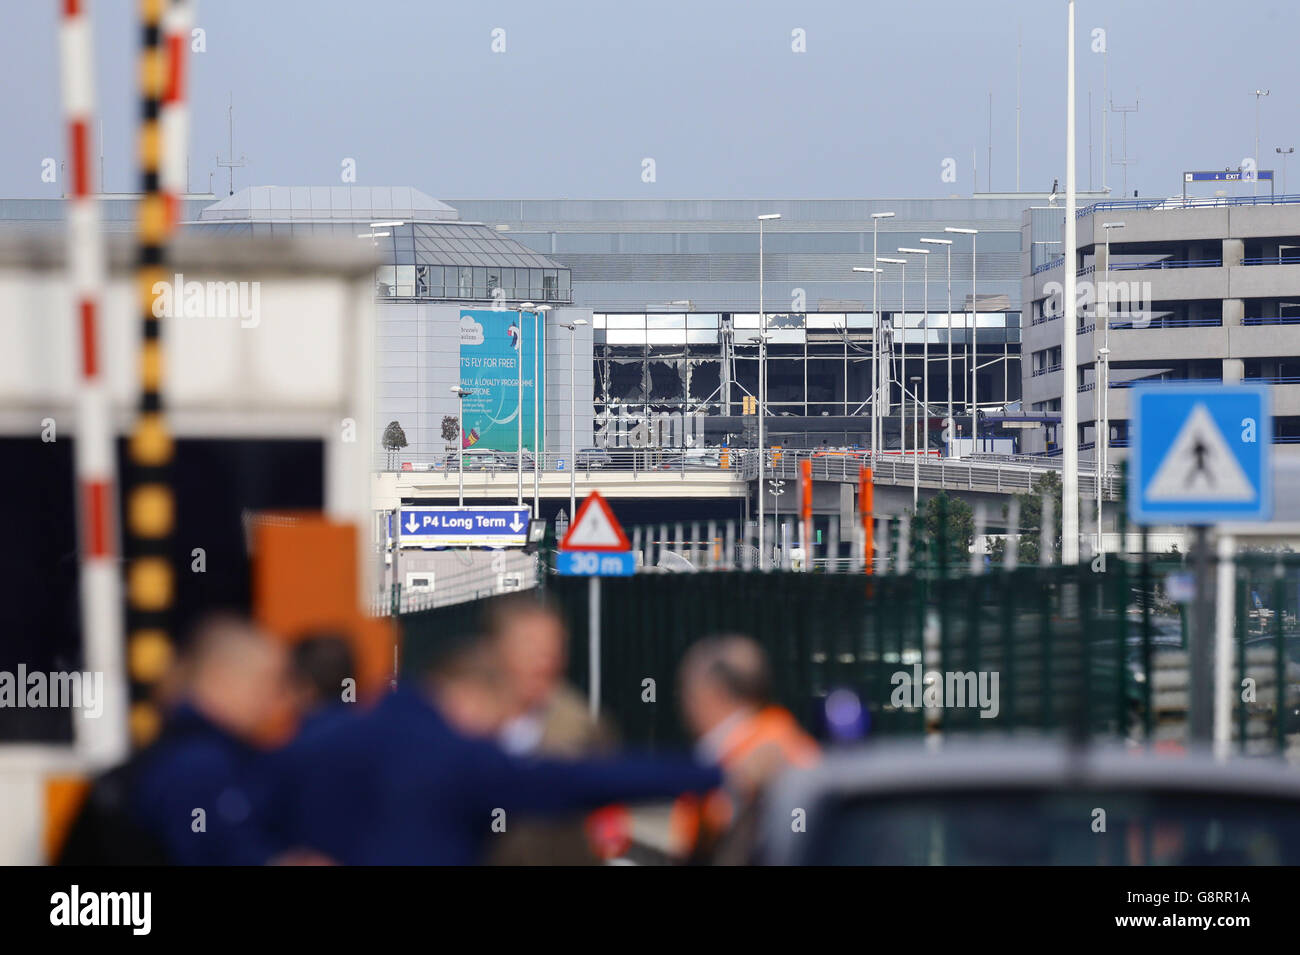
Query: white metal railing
[
  {"x": 500, "y": 464},
  {"x": 929, "y": 471},
  {"x": 981, "y": 471}
]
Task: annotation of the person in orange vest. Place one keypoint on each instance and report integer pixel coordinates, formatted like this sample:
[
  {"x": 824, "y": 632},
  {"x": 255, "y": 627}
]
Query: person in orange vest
[{"x": 725, "y": 687}]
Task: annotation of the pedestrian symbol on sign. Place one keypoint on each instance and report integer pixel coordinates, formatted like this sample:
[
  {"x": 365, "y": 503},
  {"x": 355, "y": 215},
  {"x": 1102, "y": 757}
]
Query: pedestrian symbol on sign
[{"x": 1200, "y": 465}]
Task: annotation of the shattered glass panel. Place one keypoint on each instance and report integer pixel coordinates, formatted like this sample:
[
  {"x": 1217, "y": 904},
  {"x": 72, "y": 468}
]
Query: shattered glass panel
[
  {"x": 706, "y": 376},
  {"x": 627, "y": 380},
  {"x": 667, "y": 379}
]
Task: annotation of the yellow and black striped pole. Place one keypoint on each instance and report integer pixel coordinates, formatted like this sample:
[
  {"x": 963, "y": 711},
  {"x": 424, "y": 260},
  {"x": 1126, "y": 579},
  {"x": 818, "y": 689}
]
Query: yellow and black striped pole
[{"x": 150, "y": 501}]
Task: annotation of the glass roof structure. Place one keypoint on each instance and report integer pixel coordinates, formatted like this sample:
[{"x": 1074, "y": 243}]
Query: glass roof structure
[
  {"x": 343, "y": 203},
  {"x": 431, "y": 253}
]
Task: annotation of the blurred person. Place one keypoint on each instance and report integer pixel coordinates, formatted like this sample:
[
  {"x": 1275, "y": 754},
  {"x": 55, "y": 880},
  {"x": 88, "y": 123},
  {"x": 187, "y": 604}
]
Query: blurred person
[
  {"x": 191, "y": 797},
  {"x": 198, "y": 788},
  {"x": 421, "y": 779},
  {"x": 320, "y": 664},
  {"x": 725, "y": 686},
  {"x": 547, "y": 717}
]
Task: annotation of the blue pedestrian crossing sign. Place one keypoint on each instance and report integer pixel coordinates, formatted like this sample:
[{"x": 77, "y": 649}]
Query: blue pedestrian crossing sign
[{"x": 1201, "y": 454}]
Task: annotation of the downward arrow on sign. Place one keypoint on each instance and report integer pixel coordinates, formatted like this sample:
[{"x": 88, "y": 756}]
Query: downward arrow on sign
[
  {"x": 515, "y": 525},
  {"x": 412, "y": 525}
]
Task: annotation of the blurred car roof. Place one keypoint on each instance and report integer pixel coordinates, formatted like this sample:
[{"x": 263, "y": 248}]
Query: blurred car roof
[{"x": 971, "y": 767}]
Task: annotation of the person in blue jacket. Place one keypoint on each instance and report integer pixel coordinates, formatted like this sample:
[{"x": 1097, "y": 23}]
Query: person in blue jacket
[
  {"x": 197, "y": 790},
  {"x": 419, "y": 779}
]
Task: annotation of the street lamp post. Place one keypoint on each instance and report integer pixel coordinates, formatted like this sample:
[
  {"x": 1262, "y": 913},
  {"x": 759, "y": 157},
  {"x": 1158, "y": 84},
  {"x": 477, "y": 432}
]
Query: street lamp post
[
  {"x": 1102, "y": 455},
  {"x": 1284, "y": 152},
  {"x": 519, "y": 405},
  {"x": 875, "y": 332},
  {"x": 947, "y": 243},
  {"x": 573, "y": 327},
  {"x": 916, "y": 461},
  {"x": 1070, "y": 325},
  {"x": 1259, "y": 96},
  {"x": 1103, "y": 432},
  {"x": 889, "y": 354},
  {"x": 460, "y": 393},
  {"x": 537, "y": 386},
  {"x": 925, "y": 340},
  {"x": 776, "y": 487},
  {"x": 974, "y": 338},
  {"x": 762, "y": 387}
]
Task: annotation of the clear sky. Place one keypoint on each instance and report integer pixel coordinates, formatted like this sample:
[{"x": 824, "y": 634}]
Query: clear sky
[{"x": 711, "y": 90}]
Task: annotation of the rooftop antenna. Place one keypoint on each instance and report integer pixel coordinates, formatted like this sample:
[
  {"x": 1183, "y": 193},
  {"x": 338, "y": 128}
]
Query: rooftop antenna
[
  {"x": 1125, "y": 162},
  {"x": 102, "y": 190},
  {"x": 231, "y": 164},
  {"x": 1020, "y": 43},
  {"x": 1105, "y": 114},
  {"x": 990, "y": 172},
  {"x": 1090, "y": 159}
]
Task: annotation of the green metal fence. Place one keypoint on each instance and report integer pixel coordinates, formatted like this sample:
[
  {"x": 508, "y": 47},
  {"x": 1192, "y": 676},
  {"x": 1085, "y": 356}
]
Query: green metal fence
[{"x": 1084, "y": 650}]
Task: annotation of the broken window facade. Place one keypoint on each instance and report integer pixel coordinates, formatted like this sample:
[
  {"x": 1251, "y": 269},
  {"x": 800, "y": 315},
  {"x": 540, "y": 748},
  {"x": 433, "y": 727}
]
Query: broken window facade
[{"x": 818, "y": 363}]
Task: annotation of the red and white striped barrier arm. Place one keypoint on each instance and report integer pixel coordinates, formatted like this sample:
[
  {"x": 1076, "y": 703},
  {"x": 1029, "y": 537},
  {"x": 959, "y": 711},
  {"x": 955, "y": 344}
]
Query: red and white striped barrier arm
[{"x": 94, "y": 457}]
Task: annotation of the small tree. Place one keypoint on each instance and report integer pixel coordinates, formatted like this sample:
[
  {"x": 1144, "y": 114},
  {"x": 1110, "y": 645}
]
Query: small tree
[
  {"x": 451, "y": 434},
  {"x": 956, "y": 520},
  {"x": 450, "y": 429},
  {"x": 1031, "y": 520},
  {"x": 394, "y": 440}
]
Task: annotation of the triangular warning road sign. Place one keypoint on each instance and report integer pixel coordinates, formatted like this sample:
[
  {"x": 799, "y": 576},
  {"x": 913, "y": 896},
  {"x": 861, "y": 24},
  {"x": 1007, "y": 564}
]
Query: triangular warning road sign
[
  {"x": 595, "y": 528},
  {"x": 1200, "y": 465}
]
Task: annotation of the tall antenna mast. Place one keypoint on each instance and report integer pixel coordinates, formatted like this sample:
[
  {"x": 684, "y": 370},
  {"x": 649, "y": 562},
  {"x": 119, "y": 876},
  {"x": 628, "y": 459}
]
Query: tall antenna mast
[
  {"x": 1090, "y": 159},
  {"x": 232, "y": 163},
  {"x": 1125, "y": 162},
  {"x": 1020, "y": 43},
  {"x": 990, "y": 172},
  {"x": 1105, "y": 115}
]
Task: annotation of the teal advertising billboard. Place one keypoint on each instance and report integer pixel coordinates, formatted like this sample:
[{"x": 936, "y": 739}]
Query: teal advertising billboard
[{"x": 490, "y": 347}]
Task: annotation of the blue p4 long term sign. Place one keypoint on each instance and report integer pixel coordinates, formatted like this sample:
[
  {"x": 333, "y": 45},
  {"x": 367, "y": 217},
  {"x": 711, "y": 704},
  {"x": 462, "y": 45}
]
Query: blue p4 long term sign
[
  {"x": 1201, "y": 454},
  {"x": 463, "y": 526}
]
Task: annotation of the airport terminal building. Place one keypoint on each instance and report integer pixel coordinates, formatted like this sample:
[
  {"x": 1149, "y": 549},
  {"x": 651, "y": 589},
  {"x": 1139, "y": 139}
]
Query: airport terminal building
[
  {"x": 673, "y": 286},
  {"x": 658, "y": 302}
]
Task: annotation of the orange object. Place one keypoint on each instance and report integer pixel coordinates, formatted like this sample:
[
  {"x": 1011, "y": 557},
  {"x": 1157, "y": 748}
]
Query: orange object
[
  {"x": 696, "y": 819},
  {"x": 64, "y": 796},
  {"x": 305, "y": 579}
]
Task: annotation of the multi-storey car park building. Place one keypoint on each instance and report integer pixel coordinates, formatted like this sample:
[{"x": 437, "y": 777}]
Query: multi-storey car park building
[{"x": 1199, "y": 290}]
